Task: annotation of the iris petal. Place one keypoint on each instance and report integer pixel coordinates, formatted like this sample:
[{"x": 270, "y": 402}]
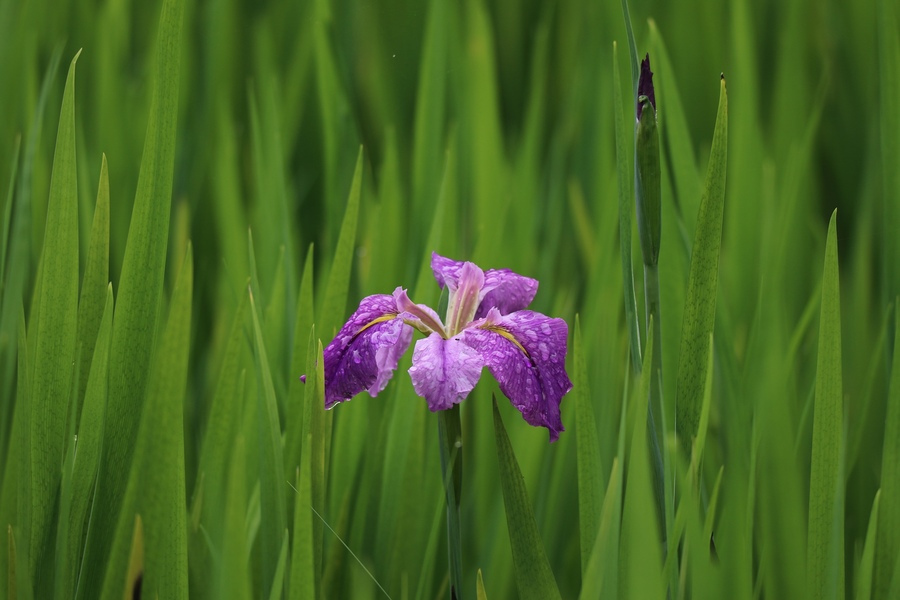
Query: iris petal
[
  {"x": 502, "y": 289},
  {"x": 526, "y": 353},
  {"x": 365, "y": 352},
  {"x": 444, "y": 371}
]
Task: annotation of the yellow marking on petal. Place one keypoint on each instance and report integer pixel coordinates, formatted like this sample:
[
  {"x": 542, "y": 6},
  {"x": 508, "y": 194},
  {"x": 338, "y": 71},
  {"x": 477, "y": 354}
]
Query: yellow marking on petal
[
  {"x": 380, "y": 319},
  {"x": 507, "y": 335}
]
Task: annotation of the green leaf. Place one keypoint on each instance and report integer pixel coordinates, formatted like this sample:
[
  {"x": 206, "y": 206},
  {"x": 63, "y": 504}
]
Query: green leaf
[
  {"x": 480, "y": 594},
  {"x": 271, "y": 458},
  {"x": 430, "y": 117},
  {"x": 864, "y": 578},
  {"x": 590, "y": 471},
  {"x": 534, "y": 577},
  {"x": 632, "y": 48},
  {"x": 135, "y": 573},
  {"x": 140, "y": 290},
  {"x": 825, "y": 469},
  {"x": 675, "y": 133},
  {"x": 277, "y": 588},
  {"x": 888, "y": 35},
  {"x": 156, "y": 485},
  {"x": 640, "y": 561},
  {"x": 700, "y": 303},
  {"x": 624, "y": 180},
  {"x": 334, "y": 302},
  {"x": 700, "y": 441},
  {"x": 21, "y": 440},
  {"x": 600, "y": 579},
  {"x": 887, "y": 550},
  {"x": 314, "y": 425},
  {"x": 303, "y": 323},
  {"x": 57, "y": 323},
  {"x": 224, "y": 416},
  {"x": 303, "y": 562},
  {"x": 86, "y": 453},
  {"x": 7, "y": 211},
  {"x": 234, "y": 576}
]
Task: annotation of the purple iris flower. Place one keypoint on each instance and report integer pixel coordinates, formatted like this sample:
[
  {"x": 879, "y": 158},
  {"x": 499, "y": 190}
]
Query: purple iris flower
[{"x": 485, "y": 326}]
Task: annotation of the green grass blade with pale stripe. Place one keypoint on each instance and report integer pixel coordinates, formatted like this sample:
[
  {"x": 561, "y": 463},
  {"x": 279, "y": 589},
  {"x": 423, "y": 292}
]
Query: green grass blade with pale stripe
[
  {"x": 825, "y": 468},
  {"x": 700, "y": 304},
  {"x": 534, "y": 577},
  {"x": 57, "y": 324}
]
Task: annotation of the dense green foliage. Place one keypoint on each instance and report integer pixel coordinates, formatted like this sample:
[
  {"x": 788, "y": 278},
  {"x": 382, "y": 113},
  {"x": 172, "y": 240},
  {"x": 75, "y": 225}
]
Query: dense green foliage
[{"x": 188, "y": 217}]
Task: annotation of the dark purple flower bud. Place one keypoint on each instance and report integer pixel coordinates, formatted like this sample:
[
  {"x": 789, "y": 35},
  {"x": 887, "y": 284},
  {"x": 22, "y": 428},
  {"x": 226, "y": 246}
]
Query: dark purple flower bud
[{"x": 645, "y": 87}]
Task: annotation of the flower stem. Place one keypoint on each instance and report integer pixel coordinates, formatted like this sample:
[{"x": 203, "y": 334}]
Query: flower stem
[
  {"x": 651, "y": 295},
  {"x": 450, "y": 436}
]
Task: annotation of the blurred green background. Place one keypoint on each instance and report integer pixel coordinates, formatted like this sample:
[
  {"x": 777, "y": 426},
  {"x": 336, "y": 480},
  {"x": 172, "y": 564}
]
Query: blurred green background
[{"x": 484, "y": 130}]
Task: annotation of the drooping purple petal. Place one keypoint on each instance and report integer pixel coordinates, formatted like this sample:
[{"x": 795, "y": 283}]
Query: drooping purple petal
[
  {"x": 446, "y": 270},
  {"x": 526, "y": 353},
  {"x": 364, "y": 354},
  {"x": 506, "y": 291},
  {"x": 444, "y": 371}
]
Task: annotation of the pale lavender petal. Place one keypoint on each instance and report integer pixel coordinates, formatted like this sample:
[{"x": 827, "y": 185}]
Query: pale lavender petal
[
  {"x": 506, "y": 291},
  {"x": 502, "y": 289},
  {"x": 465, "y": 297},
  {"x": 391, "y": 347},
  {"x": 417, "y": 312},
  {"x": 526, "y": 353},
  {"x": 364, "y": 354},
  {"x": 444, "y": 371}
]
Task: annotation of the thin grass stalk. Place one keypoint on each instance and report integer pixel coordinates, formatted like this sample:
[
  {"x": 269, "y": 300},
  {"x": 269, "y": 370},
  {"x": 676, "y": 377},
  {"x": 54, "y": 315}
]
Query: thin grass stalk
[{"x": 450, "y": 439}]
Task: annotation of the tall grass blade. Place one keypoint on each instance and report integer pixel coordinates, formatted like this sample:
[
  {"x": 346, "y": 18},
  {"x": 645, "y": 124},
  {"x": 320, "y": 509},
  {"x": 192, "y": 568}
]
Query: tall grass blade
[
  {"x": 640, "y": 561},
  {"x": 94, "y": 292},
  {"x": 825, "y": 468},
  {"x": 480, "y": 594},
  {"x": 887, "y": 549},
  {"x": 534, "y": 577},
  {"x": 273, "y": 516},
  {"x": 700, "y": 304},
  {"x": 865, "y": 577},
  {"x": 625, "y": 213},
  {"x": 888, "y": 33},
  {"x": 57, "y": 323},
  {"x": 590, "y": 471},
  {"x": 7, "y": 211},
  {"x": 600, "y": 579},
  {"x": 134, "y": 576},
  {"x": 87, "y": 449},
  {"x": 140, "y": 289},
  {"x": 303, "y": 563},
  {"x": 334, "y": 301}
]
